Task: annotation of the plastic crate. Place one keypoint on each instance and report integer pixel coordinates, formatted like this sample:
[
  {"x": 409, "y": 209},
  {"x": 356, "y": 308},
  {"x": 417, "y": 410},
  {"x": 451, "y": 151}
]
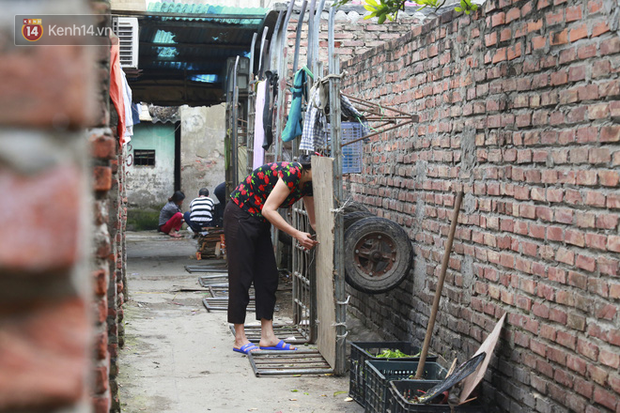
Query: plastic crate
[
  {"x": 401, "y": 391},
  {"x": 380, "y": 373},
  {"x": 362, "y": 351},
  {"x": 352, "y": 153}
]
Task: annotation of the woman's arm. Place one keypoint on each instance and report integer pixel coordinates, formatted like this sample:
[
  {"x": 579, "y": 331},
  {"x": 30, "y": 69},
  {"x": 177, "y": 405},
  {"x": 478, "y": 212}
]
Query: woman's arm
[
  {"x": 270, "y": 212},
  {"x": 309, "y": 203}
]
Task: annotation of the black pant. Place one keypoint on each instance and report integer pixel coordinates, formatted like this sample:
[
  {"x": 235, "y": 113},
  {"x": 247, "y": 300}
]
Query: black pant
[{"x": 250, "y": 259}]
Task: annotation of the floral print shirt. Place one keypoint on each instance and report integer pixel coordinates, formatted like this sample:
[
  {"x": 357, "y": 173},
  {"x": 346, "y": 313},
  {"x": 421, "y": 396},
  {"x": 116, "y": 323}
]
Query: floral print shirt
[{"x": 252, "y": 192}]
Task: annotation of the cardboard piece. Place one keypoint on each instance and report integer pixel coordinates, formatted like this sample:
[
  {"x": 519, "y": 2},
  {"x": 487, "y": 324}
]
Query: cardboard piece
[{"x": 487, "y": 347}]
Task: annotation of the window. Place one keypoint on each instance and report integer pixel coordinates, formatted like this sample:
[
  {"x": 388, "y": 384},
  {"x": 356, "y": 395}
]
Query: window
[{"x": 144, "y": 157}]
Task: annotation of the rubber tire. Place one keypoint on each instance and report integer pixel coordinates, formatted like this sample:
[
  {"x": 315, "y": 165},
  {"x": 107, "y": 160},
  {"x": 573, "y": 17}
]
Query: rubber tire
[
  {"x": 354, "y": 207},
  {"x": 352, "y": 217},
  {"x": 360, "y": 280}
]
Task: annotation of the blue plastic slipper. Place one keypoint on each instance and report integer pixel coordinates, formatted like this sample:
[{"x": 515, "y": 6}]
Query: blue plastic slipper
[
  {"x": 246, "y": 349},
  {"x": 280, "y": 346}
]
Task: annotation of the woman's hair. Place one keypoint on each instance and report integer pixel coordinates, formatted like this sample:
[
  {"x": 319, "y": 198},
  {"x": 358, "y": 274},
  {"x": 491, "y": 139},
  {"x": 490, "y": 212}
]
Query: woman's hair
[
  {"x": 305, "y": 161},
  {"x": 177, "y": 196}
]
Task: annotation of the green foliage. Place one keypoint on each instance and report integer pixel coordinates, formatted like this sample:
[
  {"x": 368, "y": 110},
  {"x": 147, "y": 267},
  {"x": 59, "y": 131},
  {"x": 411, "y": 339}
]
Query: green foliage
[
  {"x": 394, "y": 354},
  {"x": 388, "y": 9},
  {"x": 142, "y": 220},
  {"x": 466, "y": 7}
]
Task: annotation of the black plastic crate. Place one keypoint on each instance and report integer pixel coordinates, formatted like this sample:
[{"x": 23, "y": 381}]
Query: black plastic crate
[
  {"x": 401, "y": 391},
  {"x": 362, "y": 351},
  {"x": 381, "y": 373}
]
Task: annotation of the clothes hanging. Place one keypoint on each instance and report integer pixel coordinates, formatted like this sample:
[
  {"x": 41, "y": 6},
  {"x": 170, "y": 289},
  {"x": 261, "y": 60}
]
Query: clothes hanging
[
  {"x": 116, "y": 88},
  {"x": 293, "y": 127},
  {"x": 270, "y": 99},
  {"x": 127, "y": 97},
  {"x": 315, "y": 124},
  {"x": 315, "y": 130},
  {"x": 259, "y": 131}
]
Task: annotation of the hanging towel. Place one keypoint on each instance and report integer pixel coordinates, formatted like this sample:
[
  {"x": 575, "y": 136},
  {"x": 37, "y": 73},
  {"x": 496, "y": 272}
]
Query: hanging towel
[
  {"x": 271, "y": 88},
  {"x": 116, "y": 88},
  {"x": 259, "y": 131},
  {"x": 293, "y": 125},
  {"x": 127, "y": 98}
]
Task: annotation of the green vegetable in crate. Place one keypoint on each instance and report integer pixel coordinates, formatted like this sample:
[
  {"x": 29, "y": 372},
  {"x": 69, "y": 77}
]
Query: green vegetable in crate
[{"x": 394, "y": 354}]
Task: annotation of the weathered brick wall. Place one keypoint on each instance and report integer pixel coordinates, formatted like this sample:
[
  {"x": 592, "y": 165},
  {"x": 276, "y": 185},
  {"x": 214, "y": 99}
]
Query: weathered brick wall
[
  {"x": 110, "y": 217},
  {"x": 519, "y": 106},
  {"x": 46, "y": 101},
  {"x": 352, "y": 34}
]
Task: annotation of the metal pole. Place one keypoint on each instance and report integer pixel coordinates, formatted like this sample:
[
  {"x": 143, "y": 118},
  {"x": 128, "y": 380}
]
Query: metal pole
[
  {"x": 235, "y": 143},
  {"x": 274, "y": 42},
  {"x": 339, "y": 286},
  {"x": 315, "y": 39},
  {"x": 298, "y": 35},
  {"x": 262, "y": 51},
  {"x": 442, "y": 276},
  {"x": 309, "y": 57},
  {"x": 254, "y": 37}
]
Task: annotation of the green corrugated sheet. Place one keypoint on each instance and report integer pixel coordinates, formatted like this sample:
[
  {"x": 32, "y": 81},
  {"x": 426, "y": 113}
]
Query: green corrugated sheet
[{"x": 183, "y": 8}]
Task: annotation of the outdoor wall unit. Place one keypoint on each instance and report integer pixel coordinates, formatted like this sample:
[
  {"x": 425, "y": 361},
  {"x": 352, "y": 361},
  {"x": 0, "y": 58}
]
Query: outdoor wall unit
[{"x": 126, "y": 28}]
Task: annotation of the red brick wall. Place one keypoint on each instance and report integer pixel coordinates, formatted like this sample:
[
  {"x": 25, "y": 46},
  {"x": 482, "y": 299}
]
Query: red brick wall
[
  {"x": 352, "y": 36},
  {"x": 519, "y": 106},
  {"x": 60, "y": 293},
  {"x": 46, "y": 101},
  {"x": 109, "y": 258}
]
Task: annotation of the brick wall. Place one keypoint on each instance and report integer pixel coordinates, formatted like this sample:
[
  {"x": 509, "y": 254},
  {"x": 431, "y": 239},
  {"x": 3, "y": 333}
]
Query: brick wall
[
  {"x": 45, "y": 305},
  {"x": 62, "y": 250},
  {"x": 353, "y": 35},
  {"x": 519, "y": 106},
  {"x": 109, "y": 260}
]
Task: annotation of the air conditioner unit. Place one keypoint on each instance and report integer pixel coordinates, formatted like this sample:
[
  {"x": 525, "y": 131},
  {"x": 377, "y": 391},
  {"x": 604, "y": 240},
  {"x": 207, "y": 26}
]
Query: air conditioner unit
[{"x": 126, "y": 28}]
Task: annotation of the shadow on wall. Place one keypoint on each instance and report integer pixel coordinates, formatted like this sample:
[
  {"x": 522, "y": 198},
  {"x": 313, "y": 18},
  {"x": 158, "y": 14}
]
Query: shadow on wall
[{"x": 142, "y": 220}]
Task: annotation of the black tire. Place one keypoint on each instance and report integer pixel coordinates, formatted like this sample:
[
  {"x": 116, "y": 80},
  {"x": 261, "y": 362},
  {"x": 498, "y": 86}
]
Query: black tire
[
  {"x": 374, "y": 246},
  {"x": 352, "y": 217},
  {"x": 354, "y": 207}
]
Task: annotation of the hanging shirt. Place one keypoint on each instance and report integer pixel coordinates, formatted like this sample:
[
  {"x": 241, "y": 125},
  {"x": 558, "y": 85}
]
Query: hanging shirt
[
  {"x": 116, "y": 89},
  {"x": 252, "y": 192},
  {"x": 259, "y": 131},
  {"x": 315, "y": 125},
  {"x": 293, "y": 124},
  {"x": 127, "y": 97},
  {"x": 316, "y": 132},
  {"x": 271, "y": 94}
]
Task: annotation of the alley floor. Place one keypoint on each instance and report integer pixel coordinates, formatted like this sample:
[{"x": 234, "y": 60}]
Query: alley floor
[{"x": 178, "y": 357}]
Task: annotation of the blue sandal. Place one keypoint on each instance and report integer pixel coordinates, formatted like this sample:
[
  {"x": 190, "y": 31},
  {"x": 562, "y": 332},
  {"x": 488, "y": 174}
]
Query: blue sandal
[
  {"x": 246, "y": 349},
  {"x": 280, "y": 346}
]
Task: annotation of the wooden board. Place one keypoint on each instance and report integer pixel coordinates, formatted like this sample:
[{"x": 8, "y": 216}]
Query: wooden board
[
  {"x": 322, "y": 183},
  {"x": 470, "y": 383}
]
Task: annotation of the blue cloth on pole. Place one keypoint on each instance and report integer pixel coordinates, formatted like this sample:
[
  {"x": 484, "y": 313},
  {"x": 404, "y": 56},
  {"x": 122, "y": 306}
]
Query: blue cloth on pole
[{"x": 293, "y": 127}]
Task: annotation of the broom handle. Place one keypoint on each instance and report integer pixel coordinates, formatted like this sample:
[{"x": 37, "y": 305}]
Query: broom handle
[{"x": 442, "y": 276}]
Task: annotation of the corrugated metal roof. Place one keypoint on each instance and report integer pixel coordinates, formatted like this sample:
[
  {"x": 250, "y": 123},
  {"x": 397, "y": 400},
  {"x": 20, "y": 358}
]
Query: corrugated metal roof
[{"x": 176, "y": 46}]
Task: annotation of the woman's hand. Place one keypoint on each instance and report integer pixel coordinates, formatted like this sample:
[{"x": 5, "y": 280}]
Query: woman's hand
[{"x": 306, "y": 240}]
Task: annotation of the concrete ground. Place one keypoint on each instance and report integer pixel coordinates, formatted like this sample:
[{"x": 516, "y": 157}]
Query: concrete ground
[{"x": 178, "y": 356}]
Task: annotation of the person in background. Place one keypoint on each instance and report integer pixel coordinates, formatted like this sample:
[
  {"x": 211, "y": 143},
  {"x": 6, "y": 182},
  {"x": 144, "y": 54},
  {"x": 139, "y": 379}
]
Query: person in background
[
  {"x": 218, "y": 211},
  {"x": 200, "y": 212},
  {"x": 170, "y": 217},
  {"x": 248, "y": 217},
  {"x": 220, "y": 193}
]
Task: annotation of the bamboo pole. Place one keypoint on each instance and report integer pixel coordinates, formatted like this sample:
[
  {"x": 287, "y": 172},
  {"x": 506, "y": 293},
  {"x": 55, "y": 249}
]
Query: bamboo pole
[{"x": 442, "y": 276}]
